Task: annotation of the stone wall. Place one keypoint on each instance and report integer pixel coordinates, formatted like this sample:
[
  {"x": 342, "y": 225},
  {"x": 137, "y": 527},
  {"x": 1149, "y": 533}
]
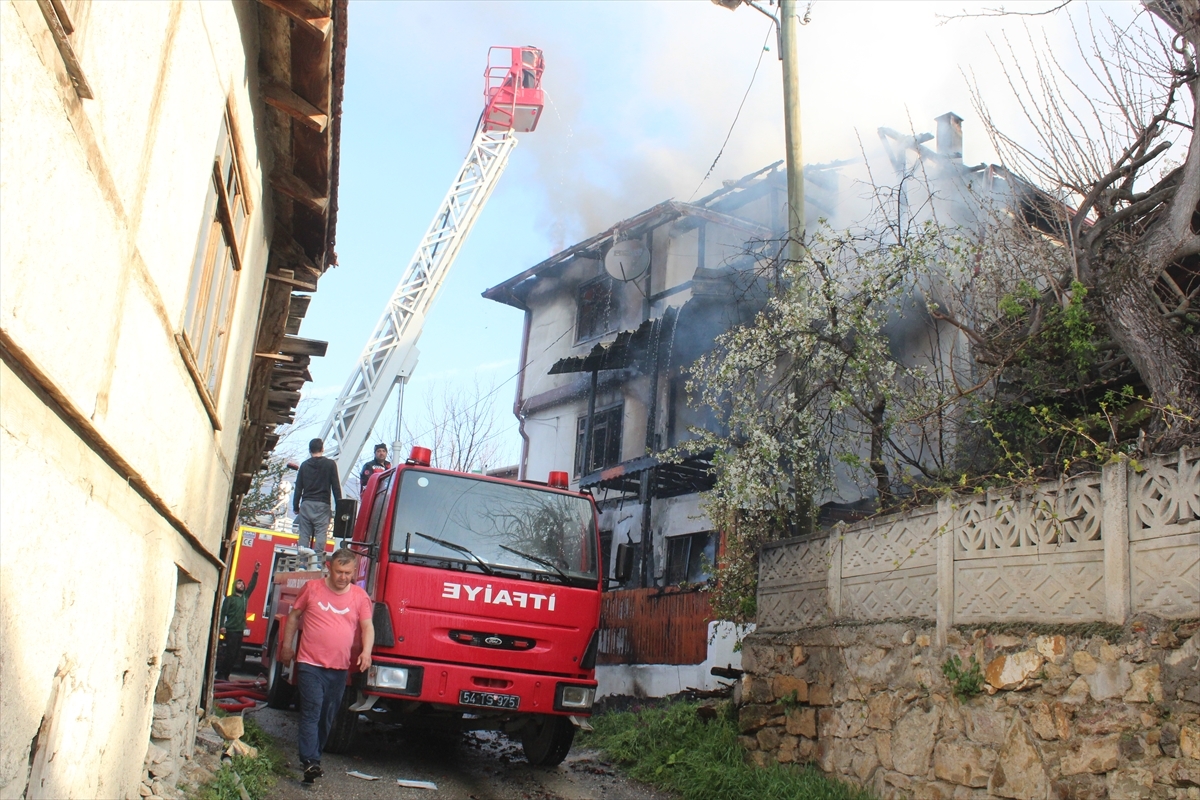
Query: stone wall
[
  {"x": 1076, "y": 711},
  {"x": 177, "y": 695},
  {"x": 1094, "y": 548},
  {"x": 1079, "y": 601}
]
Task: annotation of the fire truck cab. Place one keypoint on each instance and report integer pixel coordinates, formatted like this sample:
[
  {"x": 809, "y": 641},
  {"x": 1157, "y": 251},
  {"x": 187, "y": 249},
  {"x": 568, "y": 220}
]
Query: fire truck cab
[{"x": 486, "y": 599}]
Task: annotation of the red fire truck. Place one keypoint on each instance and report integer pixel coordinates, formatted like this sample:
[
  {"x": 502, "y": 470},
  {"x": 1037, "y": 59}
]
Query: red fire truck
[
  {"x": 268, "y": 548},
  {"x": 487, "y": 607}
]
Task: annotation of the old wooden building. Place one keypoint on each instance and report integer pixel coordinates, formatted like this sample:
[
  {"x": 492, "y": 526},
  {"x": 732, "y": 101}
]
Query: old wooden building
[{"x": 169, "y": 202}]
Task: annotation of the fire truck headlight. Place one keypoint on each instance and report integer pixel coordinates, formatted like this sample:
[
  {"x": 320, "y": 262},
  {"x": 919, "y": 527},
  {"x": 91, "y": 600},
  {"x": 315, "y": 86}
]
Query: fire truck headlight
[
  {"x": 395, "y": 678},
  {"x": 577, "y": 698}
]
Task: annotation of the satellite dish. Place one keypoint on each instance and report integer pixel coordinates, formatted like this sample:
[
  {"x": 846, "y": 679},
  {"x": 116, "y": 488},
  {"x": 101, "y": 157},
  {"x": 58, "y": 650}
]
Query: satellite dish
[{"x": 627, "y": 260}]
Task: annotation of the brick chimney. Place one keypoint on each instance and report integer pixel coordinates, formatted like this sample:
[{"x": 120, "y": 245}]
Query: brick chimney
[{"x": 949, "y": 136}]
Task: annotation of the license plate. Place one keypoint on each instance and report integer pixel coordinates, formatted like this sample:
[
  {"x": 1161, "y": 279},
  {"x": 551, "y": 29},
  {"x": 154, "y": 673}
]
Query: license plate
[{"x": 488, "y": 699}]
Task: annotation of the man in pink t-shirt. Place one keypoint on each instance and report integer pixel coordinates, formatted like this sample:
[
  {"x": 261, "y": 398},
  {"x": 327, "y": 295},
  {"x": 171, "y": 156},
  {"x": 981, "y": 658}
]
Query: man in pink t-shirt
[{"x": 333, "y": 611}]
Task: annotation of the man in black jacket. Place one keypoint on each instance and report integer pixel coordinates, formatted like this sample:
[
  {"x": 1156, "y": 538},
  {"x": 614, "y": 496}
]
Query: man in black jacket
[
  {"x": 377, "y": 464},
  {"x": 315, "y": 481}
]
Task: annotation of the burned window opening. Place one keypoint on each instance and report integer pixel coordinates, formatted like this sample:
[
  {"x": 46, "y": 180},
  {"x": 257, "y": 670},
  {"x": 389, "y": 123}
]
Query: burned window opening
[
  {"x": 689, "y": 558},
  {"x": 595, "y": 309},
  {"x": 606, "y": 440}
]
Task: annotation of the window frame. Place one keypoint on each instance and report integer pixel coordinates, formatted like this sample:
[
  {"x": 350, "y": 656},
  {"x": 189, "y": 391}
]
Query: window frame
[
  {"x": 216, "y": 271},
  {"x": 63, "y": 22},
  {"x": 608, "y": 323},
  {"x": 696, "y": 545},
  {"x": 609, "y": 413}
]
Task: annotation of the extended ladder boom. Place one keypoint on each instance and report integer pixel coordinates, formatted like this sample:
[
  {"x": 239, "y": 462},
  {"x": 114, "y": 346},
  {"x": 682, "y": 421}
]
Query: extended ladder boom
[
  {"x": 391, "y": 353},
  {"x": 513, "y": 101}
]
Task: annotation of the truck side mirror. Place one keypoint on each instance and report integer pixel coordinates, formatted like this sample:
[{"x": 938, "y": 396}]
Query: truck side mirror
[
  {"x": 624, "y": 570},
  {"x": 343, "y": 518}
]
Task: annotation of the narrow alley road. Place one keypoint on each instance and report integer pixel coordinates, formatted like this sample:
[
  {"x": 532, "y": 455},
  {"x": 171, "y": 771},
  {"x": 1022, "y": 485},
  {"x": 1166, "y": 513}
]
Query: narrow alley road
[{"x": 476, "y": 766}]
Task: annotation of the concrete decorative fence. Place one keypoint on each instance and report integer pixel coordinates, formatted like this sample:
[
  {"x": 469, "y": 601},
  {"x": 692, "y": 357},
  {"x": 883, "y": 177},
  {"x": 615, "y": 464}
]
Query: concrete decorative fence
[
  {"x": 1042, "y": 645},
  {"x": 1094, "y": 548}
]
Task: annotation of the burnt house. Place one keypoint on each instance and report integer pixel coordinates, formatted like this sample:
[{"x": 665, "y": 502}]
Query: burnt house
[
  {"x": 171, "y": 183},
  {"x": 613, "y": 323},
  {"x": 604, "y": 353}
]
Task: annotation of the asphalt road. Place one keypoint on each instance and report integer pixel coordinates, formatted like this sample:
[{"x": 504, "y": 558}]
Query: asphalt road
[{"x": 474, "y": 766}]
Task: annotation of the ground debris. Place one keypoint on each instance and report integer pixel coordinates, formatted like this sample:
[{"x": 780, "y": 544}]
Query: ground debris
[{"x": 417, "y": 784}]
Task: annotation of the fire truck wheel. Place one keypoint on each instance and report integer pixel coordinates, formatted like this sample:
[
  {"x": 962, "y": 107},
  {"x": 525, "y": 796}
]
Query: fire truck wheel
[
  {"x": 279, "y": 691},
  {"x": 547, "y": 740},
  {"x": 345, "y": 725}
]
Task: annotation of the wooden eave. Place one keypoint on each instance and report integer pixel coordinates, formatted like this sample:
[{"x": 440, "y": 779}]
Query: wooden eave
[{"x": 300, "y": 81}]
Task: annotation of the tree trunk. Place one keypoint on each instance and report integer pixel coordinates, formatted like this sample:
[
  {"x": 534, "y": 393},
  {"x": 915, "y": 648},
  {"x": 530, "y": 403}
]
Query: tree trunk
[
  {"x": 878, "y": 467},
  {"x": 1166, "y": 358}
]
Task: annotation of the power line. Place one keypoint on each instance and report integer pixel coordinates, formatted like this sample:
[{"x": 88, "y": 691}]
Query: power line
[{"x": 762, "y": 51}]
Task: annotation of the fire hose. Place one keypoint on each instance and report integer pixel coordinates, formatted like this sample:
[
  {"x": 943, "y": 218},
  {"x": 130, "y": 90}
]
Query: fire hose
[{"x": 234, "y": 696}]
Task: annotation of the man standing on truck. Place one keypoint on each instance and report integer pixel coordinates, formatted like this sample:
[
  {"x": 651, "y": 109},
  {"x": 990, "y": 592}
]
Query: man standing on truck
[
  {"x": 330, "y": 611},
  {"x": 377, "y": 464},
  {"x": 316, "y": 479},
  {"x": 233, "y": 623}
]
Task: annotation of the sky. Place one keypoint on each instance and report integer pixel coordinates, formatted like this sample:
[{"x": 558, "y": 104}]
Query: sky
[{"x": 641, "y": 96}]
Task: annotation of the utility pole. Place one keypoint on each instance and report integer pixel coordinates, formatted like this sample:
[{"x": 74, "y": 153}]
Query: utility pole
[
  {"x": 787, "y": 25},
  {"x": 789, "y": 29}
]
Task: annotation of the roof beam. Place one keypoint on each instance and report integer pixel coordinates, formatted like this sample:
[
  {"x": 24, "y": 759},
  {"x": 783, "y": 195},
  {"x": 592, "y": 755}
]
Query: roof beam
[
  {"x": 296, "y": 346},
  {"x": 296, "y": 106},
  {"x": 297, "y": 189},
  {"x": 717, "y": 218},
  {"x": 305, "y": 13},
  {"x": 308, "y": 287}
]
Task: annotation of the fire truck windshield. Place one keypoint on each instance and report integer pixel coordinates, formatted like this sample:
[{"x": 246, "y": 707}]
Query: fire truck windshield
[{"x": 470, "y": 523}]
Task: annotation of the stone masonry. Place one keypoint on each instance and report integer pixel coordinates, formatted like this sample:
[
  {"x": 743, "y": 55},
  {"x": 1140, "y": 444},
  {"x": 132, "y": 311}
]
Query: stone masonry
[{"x": 1067, "y": 711}]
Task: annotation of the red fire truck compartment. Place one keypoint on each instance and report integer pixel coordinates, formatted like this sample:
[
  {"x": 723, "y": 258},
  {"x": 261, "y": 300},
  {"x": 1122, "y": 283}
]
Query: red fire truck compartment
[{"x": 266, "y": 547}]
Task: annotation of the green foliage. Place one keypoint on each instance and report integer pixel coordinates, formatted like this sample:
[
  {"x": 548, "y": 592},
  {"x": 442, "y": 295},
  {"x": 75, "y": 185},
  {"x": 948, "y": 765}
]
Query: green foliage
[
  {"x": 801, "y": 389},
  {"x": 1018, "y": 302},
  {"x": 1043, "y": 440},
  {"x": 834, "y": 382},
  {"x": 258, "y": 774},
  {"x": 966, "y": 683},
  {"x": 265, "y": 493},
  {"x": 673, "y": 749}
]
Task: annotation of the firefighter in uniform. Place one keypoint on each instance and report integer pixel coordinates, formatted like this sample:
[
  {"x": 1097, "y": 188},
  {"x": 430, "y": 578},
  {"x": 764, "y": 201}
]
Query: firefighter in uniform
[
  {"x": 233, "y": 623},
  {"x": 377, "y": 464}
]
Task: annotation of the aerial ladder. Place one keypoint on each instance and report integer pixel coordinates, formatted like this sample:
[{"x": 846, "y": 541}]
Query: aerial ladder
[{"x": 513, "y": 100}]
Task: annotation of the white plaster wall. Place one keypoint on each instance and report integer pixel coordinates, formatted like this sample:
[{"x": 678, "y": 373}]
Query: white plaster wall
[
  {"x": 95, "y": 258},
  {"x": 551, "y": 336},
  {"x": 663, "y": 680},
  {"x": 723, "y": 245},
  {"x": 87, "y": 581},
  {"x": 103, "y": 201},
  {"x": 682, "y": 257},
  {"x": 680, "y": 515},
  {"x": 551, "y": 442}
]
